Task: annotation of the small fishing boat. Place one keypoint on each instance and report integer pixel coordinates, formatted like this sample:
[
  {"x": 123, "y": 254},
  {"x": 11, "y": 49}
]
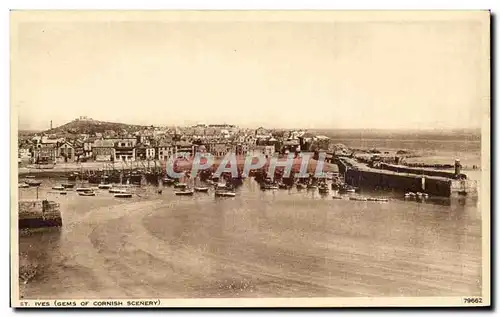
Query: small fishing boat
[
  {"x": 180, "y": 185},
  {"x": 337, "y": 197},
  {"x": 123, "y": 195},
  {"x": 63, "y": 193},
  {"x": 323, "y": 189},
  {"x": 32, "y": 182},
  {"x": 410, "y": 195},
  {"x": 378, "y": 199},
  {"x": 269, "y": 187},
  {"x": 58, "y": 187},
  {"x": 104, "y": 186},
  {"x": 358, "y": 198},
  {"x": 87, "y": 193},
  {"x": 224, "y": 193},
  {"x": 30, "y": 176},
  {"x": 185, "y": 192},
  {"x": 301, "y": 186},
  {"x": 84, "y": 189},
  {"x": 23, "y": 185},
  {"x": 117, "y": 190},
  {"x": 347, "y": 189},
  {"x": 168, "y": 181},
  {"x": 201, "y": 189},
  {"x": 68, "y": 185}
]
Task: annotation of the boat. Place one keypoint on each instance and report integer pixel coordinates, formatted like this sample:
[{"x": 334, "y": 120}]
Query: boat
[
  {"x": 168, "y": 181},
  {"x": 68, "y": 185},
  {"x": 104, "y": 186},
  {"x": 358, "y": 198},
  {"x": 378, "y": 199},
  {"x": 301, "y": 186},
  {"x": 201, "y": 189},
  {"x": 268, "y": 186},
  {"x": 185, "y": 192},
  {"x": 63, "y": 193},
  {"x": 84, "y": 189},
  {"x": 337, "y": 197},
  {"x": 30, "y": 176},
  {"x": 180, "y": 185},
  {"x": 23, "y": 185},
  {"x": 32, "y": 182},
  {"x": 224, "y": 193},
  {"x": 117, "y": 190},
  {"x": 323, "y": 189},
  {"x": 87, "y": 193},
  {"x": 123, "y": 195},
  {"x": 347, "y": 189},
  {"x": 58, "y": 187}
]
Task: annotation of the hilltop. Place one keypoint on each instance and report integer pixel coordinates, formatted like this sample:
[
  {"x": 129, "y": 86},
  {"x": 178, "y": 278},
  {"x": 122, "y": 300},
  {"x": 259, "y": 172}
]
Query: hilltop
[{"x": 91, "y": 126}]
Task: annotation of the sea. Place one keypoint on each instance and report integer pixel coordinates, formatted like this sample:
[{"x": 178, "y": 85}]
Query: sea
[{"x": 260, "y": 244}]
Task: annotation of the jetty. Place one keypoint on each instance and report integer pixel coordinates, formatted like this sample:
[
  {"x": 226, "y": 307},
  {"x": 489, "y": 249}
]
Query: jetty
[
  {"x": 39, "y": 214},
  {"x": 406, "y": 179}
]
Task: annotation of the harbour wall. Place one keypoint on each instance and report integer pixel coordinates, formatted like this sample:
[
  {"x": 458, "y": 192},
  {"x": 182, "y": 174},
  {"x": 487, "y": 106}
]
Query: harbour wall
[
  {"x": 359, "y": 175},
  {"x": 39, "y": 214}
]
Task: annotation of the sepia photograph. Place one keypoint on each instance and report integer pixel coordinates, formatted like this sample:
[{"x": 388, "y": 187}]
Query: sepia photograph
[{"x": 250, "y": 158}]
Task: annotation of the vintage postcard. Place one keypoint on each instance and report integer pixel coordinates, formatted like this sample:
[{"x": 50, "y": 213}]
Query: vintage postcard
[{"x": 250, "y": 158}]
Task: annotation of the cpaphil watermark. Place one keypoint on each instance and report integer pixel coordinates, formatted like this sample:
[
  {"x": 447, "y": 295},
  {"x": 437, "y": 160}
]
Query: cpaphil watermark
[{"x": 184, "y": 164}]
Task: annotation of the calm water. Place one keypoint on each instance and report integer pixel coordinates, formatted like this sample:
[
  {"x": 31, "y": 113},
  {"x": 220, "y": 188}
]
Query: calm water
[{"x": 258, "y": 244}]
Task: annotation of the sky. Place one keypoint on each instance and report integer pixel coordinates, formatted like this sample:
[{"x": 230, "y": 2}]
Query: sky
[{"x": 329, "y": 73}]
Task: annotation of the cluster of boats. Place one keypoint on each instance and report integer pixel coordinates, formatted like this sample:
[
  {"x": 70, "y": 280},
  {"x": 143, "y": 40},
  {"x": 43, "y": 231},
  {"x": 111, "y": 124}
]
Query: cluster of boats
[
  {"x": 184, "y": 189},
  {"x": 361, "y": 198},
  {"x": 92, "y": 191},
  {"x": 30, "y": 182},
  {"x": 418, "y": 195}
]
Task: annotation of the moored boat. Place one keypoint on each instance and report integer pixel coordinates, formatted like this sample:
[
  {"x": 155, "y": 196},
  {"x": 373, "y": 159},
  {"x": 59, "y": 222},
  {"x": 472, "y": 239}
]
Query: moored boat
[
  {"x": 301, "y": 186},
  {"x": 63, "y": 193},
  {"x": 378, "y": 199},
  {"x": 201, "y": 189},
  {"x": 104, "y": 186},
  {"x": 180, "y": 185},
  {"x": 23, "y": 185},
  {"x": 358, "y": 198},
  {"x": 116, "y": 190},
  {"x": 68, "y": 185},
  {"x": 84, "y": 189},
  {"x": 87, "y": 193},
  {"x": 185, "y": 192},
  {"x": 58, "y": 187},
  {"x": 337, "y": 197},
  {"x": 32, "y": 182},
  {"x": 323, "y": 189},
  {"x": 123, "y": 195},
  {"x": 224, "y": 193}
]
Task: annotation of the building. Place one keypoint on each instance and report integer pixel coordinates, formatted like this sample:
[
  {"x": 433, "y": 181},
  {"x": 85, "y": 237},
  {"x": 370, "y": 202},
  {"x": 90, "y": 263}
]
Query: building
[
  {"x": 103, "y": 150},
  {"x": 66, "y": 152},
  {"x": 45, "y": 154},
  {"x": 125, "y": 149},
  {"x": 184, "y": 147}
]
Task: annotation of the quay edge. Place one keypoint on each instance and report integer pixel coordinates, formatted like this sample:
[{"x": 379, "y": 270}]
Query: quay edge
[{"x": 406, "y": 179}]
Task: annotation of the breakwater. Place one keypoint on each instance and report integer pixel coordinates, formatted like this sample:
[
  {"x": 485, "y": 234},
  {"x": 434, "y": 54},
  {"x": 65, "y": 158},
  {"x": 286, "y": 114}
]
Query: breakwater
[
  {"x": 390, "y": 177},
  {"x": 39, "y": 214}
]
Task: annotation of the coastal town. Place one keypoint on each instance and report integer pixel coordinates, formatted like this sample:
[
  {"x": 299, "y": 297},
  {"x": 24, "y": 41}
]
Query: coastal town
[{"x": 143, "y": 144}]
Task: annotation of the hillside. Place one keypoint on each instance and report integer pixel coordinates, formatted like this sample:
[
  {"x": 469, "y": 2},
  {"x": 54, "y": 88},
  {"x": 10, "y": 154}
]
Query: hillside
[{"x": 90, "y": 126}]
